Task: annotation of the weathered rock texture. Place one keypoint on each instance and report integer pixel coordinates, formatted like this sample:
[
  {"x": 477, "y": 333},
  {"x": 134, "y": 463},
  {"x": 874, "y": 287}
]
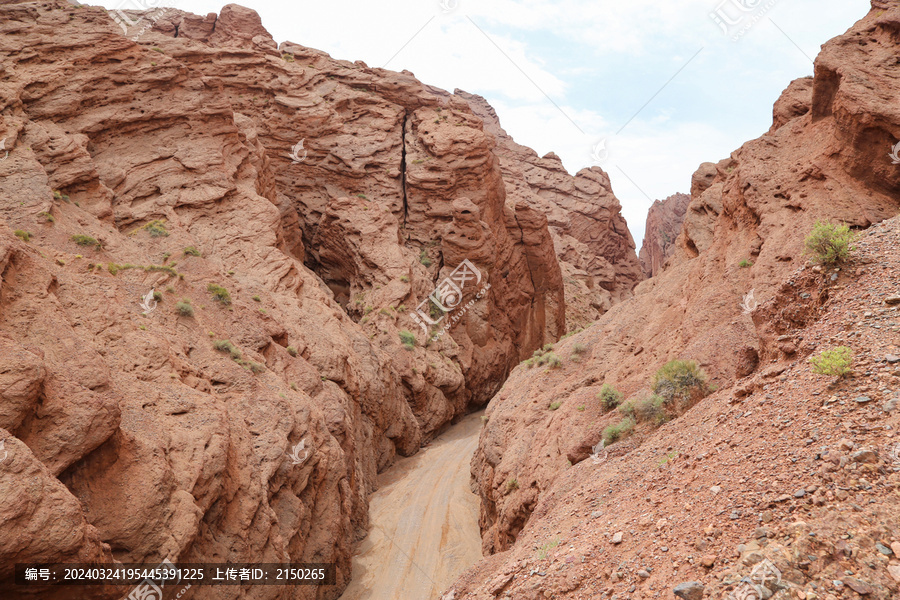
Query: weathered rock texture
[
  {"x": 828, "y": 159},
  {"x": 663, "y": 226},
  {"x": 595, "y": 249},
  {"x": 327, "y": 198}
]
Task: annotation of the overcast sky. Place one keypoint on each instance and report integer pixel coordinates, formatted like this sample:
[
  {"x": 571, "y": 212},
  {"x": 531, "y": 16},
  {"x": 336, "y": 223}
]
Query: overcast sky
[{"x": 662, "y": 82}]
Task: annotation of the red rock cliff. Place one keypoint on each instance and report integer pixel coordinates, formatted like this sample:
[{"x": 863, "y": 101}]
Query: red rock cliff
[{"x": 663, "y": 226}]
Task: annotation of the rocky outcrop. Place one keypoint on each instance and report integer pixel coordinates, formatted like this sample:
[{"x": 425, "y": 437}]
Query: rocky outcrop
[
  {"x": 595, "y": 249},
  {"x": 663, "y": 226},
  {"x": 743, "y": 231},
  {"x": 291, "y": 213}
]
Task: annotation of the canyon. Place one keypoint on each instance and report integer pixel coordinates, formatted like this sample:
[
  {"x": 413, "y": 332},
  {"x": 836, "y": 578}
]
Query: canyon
[{"x": 253, "y": 298}]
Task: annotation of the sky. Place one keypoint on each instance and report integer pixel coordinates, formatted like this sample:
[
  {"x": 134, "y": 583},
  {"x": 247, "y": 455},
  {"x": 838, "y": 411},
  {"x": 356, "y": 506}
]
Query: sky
[{"x": 645, "y": 89}]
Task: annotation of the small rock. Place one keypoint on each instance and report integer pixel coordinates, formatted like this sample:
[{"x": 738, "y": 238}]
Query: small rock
[
  {"x": 865, "y": 456},
  {"x": 767, "y": 516},
  {"x": 664, "y": 549},
  {"x": 895, "y": 546},
  {"x": 761, "y": 532},
  {"x": 715, "y": 489},
  {"x": 846, "y": 445},
  {"x": 892, "y": 358},
  {"x": 800, "y": 493},
  {"x": 883, "y": 549},
  {"x": 617, "y": 537},
  {"x": 862, "y": 400},
  {"x": 892, "y": 300},
  {"x": 691, "y": 590},
  {"x": 708, "y": 561},
  {"x": 596, "y": 514},
  {"x": 894, "y": 571},
  {"x": 891, "y": 405},
  {"x": 860, "y": 587},
  {"x": 643, "y": 574}
]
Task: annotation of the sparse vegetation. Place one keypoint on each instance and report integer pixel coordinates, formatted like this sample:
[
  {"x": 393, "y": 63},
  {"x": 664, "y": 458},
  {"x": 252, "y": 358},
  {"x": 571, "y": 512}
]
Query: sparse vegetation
[
  {"x": 227, "y": 347},
  {"x": 646, "y": 410},
  {"x": 191, "y": 251},
  {"x": 746, "y": 263},
  {"x": 292, "y": 351},
  {"x": 57, "y": 195},
  {"x": 404, "y": 278},
  {"x": 616, "y": 432},
  {"x": 47, "y": 217},
  {"x": 85, "y": 240},
  {"x": 837, "y": 362},
  {"x": 184, "y": 308},
  {"x": 555, "y": 405},
  {"x": 156, "y": 229},
  {"x": 287, "y": 57},
  {"x": 544, "y": 550},
  {"x": 257, "y": 299},
  {"x": 609, "y": 396},
  {"x": 680, "y": 380},
  {"x": 512, "y": 484},
  {"x": 423, "y": 258},
  {"x": 829, "y": 243},
  {"x": 219, "y": 294},
  {"x": 25, "y": 236},
  {"x": 408, "y": 339},
  {"x": 577, "y": 351}
]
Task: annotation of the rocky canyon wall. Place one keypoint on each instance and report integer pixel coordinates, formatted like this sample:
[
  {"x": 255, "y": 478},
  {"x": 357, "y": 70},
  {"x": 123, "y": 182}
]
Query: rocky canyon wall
[
  {"x": 825, "y": 158},
  {"x": 663, "y": 226},
  {"x": 211, "y": 252}
]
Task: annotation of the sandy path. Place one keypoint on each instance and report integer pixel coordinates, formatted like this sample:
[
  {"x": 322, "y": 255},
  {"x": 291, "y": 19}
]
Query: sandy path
[{"x": 424, "y": 523}]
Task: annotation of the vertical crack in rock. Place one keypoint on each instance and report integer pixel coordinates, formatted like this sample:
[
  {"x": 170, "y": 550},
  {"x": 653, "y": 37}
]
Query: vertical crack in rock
[{"x": 403, "y": 166}]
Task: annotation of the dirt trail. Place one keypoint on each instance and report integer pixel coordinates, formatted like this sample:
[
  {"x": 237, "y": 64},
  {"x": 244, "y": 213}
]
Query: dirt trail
[{"x": 424, "y": 523}]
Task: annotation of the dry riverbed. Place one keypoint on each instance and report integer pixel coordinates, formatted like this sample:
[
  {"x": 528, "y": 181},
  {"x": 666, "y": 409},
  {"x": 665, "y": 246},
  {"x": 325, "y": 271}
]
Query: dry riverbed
[{"x": 424, "y": 523}]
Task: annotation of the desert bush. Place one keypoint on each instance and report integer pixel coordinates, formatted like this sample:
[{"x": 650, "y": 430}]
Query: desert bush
[
  {"x": 745, "y": 263},
  {"x": 837, "y": 362},
  {"x": 650, "y": 410},
  {"x": 191, "y": 251},
  {"x": 47, "y": 217},
  {"x": 408, "y": 339},
  {"x": 25, "y": 236},
  {"x": 292, "y": 351},
  {"x": 616, "y": 432},
  {"x": 85, "y": 240},
  {"x": 184, "y": 308},
  {"x": 829, "y": 243},
  {"x": 555, "y": 405},
  {"x": 423, "y": 258},
  {"x": 156, "y": 229},
  {"x": 228, "y": 348},
  {"x": 219, "y": 293},
  {"x": 609, "y": 396},
  {"x": 681, "y": 380},
  {"x": 512, "y": 484}
]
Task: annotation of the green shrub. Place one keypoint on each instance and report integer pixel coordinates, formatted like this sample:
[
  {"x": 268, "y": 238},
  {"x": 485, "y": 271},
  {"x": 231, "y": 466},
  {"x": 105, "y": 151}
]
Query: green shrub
[
  {"x": 25, "y": 236},
  {"x": 745, "y": 263},
  {"x": 156, "y": 229},
  {"x": 257, "y": 299},
  {"x": 191, "y": 251},
  {"x": 577, "y": 351},
  {"x": 512, "y": 484},
  {"x": 292, "y": 351},
  {"x": 408, "y": 339},
  {"x": 228, "y": 348},
  {"x": 614, "y": 433},
  {"x": 650, "y": 410},
  {"x": 681, "y": 380},
  {"x": 423, "y": 258},
  {"x": 47, "y": 216},
  {"x": 184, "y": 308},
  {"x": 555, "y": 405},
  {"x": 287, "y": 57},
  {"x": 830, "y": 243},
  {"x": 836, "y": 362},
  {"x": 219, "y": 293},
  {"x": 157, "y": 295},
  {"x": 609, "y": 396},
  {"x": 85, "y": 240}
]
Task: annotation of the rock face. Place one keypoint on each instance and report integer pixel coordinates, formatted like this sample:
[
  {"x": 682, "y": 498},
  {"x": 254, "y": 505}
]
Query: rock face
[
  {"x": 827, "y": 159},
  {"x": 663, "y": 226},
  {"x": 595, "y": 249},
  {"x": 291, "y": 218}
]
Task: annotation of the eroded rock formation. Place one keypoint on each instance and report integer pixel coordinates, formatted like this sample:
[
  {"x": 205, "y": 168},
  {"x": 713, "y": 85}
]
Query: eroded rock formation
[
  {"x": 826, "y": 157},
  {"x": 290, "y": 212},
  {"x": 595, "y": 249},
  {"x": 663, "y": 226}
]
